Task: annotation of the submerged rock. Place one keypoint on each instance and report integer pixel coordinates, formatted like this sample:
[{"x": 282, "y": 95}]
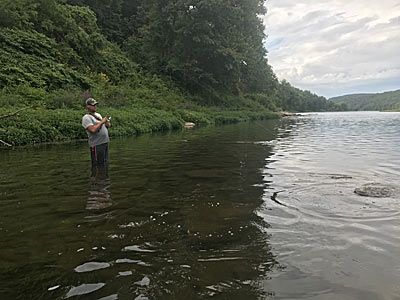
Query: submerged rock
[{"x": 375, "y": 190}]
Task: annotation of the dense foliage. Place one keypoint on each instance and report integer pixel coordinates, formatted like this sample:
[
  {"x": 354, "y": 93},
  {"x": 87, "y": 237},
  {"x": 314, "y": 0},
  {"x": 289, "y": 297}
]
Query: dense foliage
[
  {"x": 299, "y": 100},
  {"x": 380, "y": 101},
  {"x": 180, "y": 56}
]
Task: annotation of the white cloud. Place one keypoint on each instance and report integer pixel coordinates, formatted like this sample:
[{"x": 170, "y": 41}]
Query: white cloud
[{"x": 335, "y": 47}]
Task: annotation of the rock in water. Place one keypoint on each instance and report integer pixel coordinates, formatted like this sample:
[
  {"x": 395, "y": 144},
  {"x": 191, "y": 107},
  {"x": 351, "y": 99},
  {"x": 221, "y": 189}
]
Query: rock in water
[
  {"x": 189, "y": 124},
  {"x": 375, "y": 190}
]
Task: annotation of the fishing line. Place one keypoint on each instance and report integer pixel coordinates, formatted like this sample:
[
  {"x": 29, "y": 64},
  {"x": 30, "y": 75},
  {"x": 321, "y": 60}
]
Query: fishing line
[{"x": 265, "y": 128}]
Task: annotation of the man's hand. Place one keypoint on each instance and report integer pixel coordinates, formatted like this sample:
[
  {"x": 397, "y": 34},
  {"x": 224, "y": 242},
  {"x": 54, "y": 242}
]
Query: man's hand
[
  {"x": 108, "y": 120},
  {"x": 96, "y": 128}
]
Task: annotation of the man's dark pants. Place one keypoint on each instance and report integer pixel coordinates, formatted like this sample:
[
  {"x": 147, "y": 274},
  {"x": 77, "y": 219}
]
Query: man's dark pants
[{"x": 99, "y": 154}]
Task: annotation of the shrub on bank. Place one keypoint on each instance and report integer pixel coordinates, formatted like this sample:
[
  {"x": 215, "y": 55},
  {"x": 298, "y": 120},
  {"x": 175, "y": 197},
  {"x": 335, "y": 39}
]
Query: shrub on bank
[
  {"x": 201, "y": 118},
  {"x": 43, "y": 125},
  {"x": 141, "y": 120},
  {"x": 40, "y": 125}
]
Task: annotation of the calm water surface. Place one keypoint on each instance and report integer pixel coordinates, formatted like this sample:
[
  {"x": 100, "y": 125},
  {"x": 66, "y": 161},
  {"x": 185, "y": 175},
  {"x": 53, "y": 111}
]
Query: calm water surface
[{"x": 262, "y": 210}]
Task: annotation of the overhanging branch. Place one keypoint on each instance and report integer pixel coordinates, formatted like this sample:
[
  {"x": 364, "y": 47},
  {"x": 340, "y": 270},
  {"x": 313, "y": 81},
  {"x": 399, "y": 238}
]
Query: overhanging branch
[
  {"x": 14, "y": 113},
  {"x": 11, "y": 115},
  {"x": 4, "y": 143}
]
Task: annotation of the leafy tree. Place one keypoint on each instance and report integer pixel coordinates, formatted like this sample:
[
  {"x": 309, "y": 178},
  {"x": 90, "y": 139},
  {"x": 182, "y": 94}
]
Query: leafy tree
[
  {"x": 71, "y": 30},
  {"x": 379, "y": 101},
  {"x": 109, "y": 16},
  {"x": 28, "y": 57},
  {"x": 21, "y": 14},
  {"x": 294, "y": 99},
  {"x": 208, "y": 47},
  {"x": 212, "y": 49}
]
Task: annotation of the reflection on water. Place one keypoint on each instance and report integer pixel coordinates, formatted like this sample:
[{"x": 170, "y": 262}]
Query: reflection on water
[
  {"x": 99, "y": 195},
  {"x": 173, "y": 217},
  {"x": 261, "y": 210}
]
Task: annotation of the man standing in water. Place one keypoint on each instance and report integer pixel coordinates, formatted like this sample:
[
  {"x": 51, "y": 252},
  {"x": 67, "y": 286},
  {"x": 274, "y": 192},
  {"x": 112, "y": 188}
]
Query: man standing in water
[{"x": 96, "y": 128}]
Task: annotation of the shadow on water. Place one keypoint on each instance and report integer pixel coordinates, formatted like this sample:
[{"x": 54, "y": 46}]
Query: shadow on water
[{"x": 173, "y": 217}]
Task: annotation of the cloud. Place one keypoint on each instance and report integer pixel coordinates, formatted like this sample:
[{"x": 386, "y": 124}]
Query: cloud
[{"x": 335, "y": 47}]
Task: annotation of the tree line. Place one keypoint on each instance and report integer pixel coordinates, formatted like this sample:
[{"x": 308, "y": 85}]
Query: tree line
[
  {"x": 377, "y": 101},
  {"x": 211, "y": 51}
]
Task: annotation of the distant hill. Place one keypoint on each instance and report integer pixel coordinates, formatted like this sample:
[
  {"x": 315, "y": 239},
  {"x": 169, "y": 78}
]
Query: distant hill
[{"x": 380, "y": 101}]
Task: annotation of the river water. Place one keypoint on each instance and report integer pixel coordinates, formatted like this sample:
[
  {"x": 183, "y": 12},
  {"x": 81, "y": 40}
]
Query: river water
[{"x": 258, "y": 210}]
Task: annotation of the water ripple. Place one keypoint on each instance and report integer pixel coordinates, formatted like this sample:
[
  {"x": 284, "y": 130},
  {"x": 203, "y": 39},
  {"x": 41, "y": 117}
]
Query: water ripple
[{"x": 309, "y": 198}]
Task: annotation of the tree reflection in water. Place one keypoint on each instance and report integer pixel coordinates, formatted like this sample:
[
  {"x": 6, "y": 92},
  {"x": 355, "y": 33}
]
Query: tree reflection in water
[
  {"x": 179, "y": 221},
  {"x": 194, "y": 223}
]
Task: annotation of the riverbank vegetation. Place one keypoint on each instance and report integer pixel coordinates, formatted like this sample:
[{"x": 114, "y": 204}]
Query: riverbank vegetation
[{"x": 152, "y": 65}]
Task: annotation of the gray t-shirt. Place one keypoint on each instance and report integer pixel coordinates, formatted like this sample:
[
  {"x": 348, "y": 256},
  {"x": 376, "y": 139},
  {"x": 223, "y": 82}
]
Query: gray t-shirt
[{"x": 99, "y": 137}]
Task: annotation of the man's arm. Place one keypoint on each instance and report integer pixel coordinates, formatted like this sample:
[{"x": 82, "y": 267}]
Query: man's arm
[{"x": 95, "y": 128}]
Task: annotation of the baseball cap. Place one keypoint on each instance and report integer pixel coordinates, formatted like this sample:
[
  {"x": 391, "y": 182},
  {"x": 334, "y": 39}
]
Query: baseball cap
[{"x": 91, "y": 101}]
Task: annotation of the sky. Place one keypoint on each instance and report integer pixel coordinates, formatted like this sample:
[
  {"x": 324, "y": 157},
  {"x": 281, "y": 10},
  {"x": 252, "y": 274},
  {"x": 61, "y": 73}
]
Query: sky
[{"x": 335, "y": 47}]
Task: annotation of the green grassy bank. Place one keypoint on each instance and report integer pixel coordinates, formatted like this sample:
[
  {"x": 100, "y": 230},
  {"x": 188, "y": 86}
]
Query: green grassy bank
[
  {"x": 39, "y": 125},
  {"x": 56, "y": 116}
]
